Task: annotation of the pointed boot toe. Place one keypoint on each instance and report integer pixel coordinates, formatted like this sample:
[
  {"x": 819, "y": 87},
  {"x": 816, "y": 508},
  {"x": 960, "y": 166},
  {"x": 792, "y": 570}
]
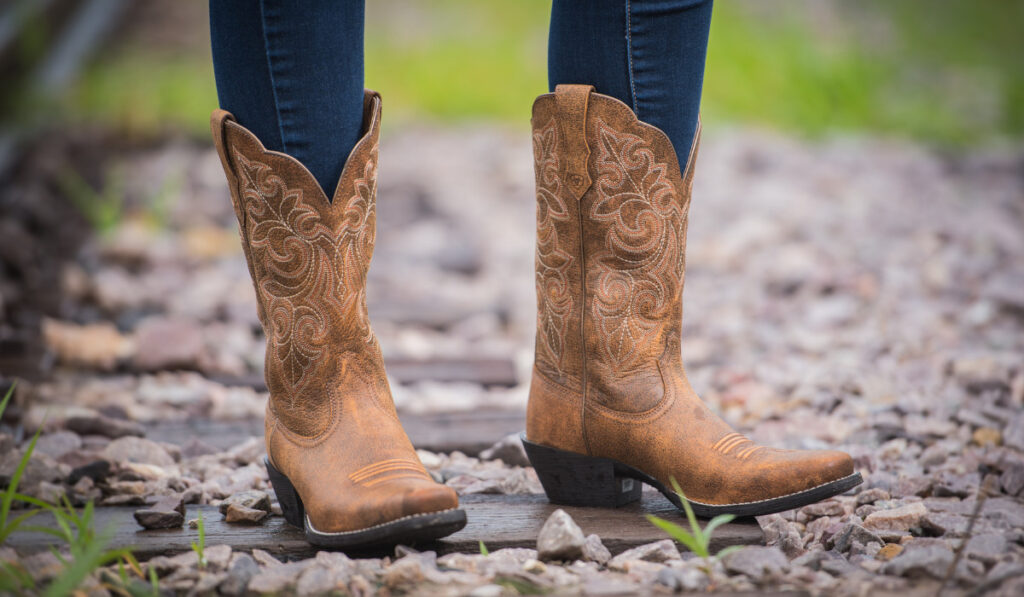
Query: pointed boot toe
[{"x": 428, "y": 498}]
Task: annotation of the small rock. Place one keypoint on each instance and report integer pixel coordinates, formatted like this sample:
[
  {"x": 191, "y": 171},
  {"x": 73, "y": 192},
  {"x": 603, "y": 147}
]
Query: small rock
[
  {"x": 137, "y": 449},
  {"x": 691, "y": 578},
  {"x": 411, "y": 570},
  {"x": 42, "y": 566},
  {"x": 853, "y": 533},
  {"x": 534, "y": 567},
  {"x": 163, "y": 343},
  {"x": 96, "y": 470},
  {"x": 978, "y": 373},
  {"x": 911, "y": 486},
  {"x": 778, "y": 532},
  {"x": 253, "y": 499},
  {"x": 951, "y": 485},
  {"x": 217, "y": 556},
  {"x": 866, "y": 510},
  {"x": 58, "y": 443},
  {"x": 870, "y": 496},
  {"x": 667, "y": 578},
  {"x": 921, "y": 560},
  {"x": 488, "y": 591},
  {"x": 196, "y": 447},
  {"x": 322, "y": 580},
  {"x": 40, "y": 468},
  {"x": 166, "y": 513},
  {"x": 98, "y": 346},
  {"x": 889, "y": 551},
  {"x": 240, "y": 514},
  {"x": 1013, "y": 434},
  {"x": 595, "y": 551},
  {"x": 945, "y": 523},
  {"x": 987, "y": 436},
  {"x": 825, "y": 508},
  {"x": 1012, "y": 479},
  {"x": 897, "y": 519},
  {"x": 560, "y": 538},
  {"x": 509, "y": 450},
  {"x": 242, "y": 568},
  {"x": 986, "y": 548},
  {"x": 756, "y": 562},
  {"x": 265, "y": 559},
  {"x": 658, "y": 552},
  {"x": 277, "y": 579},
  {"x": 104, "y": 426},
  {"x": 50, "y": 492}
]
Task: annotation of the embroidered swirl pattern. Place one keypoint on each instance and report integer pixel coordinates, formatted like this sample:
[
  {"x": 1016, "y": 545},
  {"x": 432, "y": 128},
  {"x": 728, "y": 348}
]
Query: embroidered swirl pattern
[
  {"x": 554, "y": 300},
  {"x": 639, "y": 271},
  {"x": 312, "y": 272}
]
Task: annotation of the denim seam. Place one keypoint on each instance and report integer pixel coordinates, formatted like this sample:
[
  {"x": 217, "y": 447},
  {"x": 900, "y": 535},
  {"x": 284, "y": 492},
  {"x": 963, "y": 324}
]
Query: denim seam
[
  {"x": 629, "y": 56},
  {"x": 273, "y": 83}
]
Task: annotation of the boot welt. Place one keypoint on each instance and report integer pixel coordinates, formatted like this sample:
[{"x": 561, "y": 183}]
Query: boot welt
[
  {"x": 408, "y": 530},
  {"x": 580, "y": 480}
]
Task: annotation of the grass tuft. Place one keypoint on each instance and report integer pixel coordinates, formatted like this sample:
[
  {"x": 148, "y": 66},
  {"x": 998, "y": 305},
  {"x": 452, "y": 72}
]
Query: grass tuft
[
  {"x": 87, "y": 550},
  {"x": 695, "y": 539}
]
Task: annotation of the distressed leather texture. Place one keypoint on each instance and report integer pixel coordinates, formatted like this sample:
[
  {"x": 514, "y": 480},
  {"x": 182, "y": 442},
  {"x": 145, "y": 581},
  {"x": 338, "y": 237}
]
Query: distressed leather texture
[
  {"x": 608, "y": 378},
  {"x": 331, "y": 425}
]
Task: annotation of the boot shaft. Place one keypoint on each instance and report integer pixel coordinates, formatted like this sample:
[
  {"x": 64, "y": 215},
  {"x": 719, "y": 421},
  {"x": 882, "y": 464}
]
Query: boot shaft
[
  {"x": 308, "y": 258},
  {"x": 612, "y": 205}
]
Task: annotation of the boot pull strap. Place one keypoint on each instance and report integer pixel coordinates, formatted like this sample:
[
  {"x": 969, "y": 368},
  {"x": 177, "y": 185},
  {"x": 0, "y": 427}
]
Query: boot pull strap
[
  {"x": 219, "y": 128},
  {"x": 572, "y": 116}
]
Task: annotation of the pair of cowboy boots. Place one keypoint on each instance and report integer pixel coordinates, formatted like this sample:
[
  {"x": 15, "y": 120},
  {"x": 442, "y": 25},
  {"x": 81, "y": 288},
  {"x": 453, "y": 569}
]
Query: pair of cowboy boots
[{"x": 610, "y": 407}]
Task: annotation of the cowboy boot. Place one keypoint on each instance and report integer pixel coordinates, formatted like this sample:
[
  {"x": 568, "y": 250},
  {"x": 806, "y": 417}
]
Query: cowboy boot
[
  {"x": 338, "y": 458},
  {"x": 610, "y": 407}
]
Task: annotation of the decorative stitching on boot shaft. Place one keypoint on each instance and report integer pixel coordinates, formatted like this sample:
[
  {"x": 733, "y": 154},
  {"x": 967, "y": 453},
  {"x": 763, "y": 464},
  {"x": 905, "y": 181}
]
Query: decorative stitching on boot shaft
[
  {"x": 554, "y": 297},
  {"x": 311, "y": 277},
  {"x": 639, "y": 272}
]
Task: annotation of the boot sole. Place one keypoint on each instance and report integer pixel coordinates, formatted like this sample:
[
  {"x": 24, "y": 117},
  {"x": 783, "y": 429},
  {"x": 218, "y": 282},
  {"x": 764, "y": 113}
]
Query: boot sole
[
  {"x": 578, "y": 480},
  {"x": 407, "y": 530}
]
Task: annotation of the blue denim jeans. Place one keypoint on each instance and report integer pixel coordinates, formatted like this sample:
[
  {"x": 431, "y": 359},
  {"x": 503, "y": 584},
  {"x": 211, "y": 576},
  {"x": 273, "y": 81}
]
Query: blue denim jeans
[
  {"x": 291, "y": 71},
  {"x": 647, "y": 53}
]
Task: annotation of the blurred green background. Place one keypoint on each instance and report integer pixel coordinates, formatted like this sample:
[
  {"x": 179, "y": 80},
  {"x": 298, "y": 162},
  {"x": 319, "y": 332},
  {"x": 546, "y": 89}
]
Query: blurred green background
[{"x": 942, "y": 71}]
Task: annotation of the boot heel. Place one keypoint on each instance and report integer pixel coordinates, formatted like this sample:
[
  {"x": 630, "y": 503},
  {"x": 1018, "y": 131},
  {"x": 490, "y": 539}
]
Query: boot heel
[
  {"x": 287, "y": 497},
  {"x": 579, "y": 480}
]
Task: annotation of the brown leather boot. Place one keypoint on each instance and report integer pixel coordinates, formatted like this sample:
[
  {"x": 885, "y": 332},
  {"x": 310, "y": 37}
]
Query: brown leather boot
[
  {"x": 610, "y": 404},
  {"x": 340, "y": 462}
]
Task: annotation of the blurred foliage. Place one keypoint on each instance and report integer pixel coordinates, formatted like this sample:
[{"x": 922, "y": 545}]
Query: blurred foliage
[{"x": 939, "y": 70}]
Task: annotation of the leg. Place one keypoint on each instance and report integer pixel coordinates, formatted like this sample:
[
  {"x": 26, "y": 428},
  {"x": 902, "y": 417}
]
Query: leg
[
  {"x": 647, "y": 53},
  {"x": 291, "y": 71}
]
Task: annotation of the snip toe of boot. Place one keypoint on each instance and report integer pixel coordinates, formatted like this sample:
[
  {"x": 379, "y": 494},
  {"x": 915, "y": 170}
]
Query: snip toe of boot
[
  {"x": 424, "y": 499},
  {"x": 818, "y": 467}
]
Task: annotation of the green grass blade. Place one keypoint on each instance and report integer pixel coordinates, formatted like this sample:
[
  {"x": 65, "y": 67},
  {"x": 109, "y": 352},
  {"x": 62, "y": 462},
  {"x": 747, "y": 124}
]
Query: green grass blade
[
  {"x": 21, "y": 497},
  {"x": 154, "y": 583},
  {"x": 698, "y": 535},
  {"x": 676, "y": 532},
  {"x": 14, "y": 524},
  {"x": 12, "y": 488},
  {"x": 728, "y": 550},
  {"x": 7, "y": 398},
  {"x": 92, "y": 556},
  {"x": 717, "y": 522}
]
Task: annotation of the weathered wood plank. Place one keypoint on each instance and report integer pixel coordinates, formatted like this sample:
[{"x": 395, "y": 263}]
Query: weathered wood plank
[
  {"x": 467, "y": 432},
  {"x": 483, "y": 371},
  {"x": 499, "y": 521}
]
